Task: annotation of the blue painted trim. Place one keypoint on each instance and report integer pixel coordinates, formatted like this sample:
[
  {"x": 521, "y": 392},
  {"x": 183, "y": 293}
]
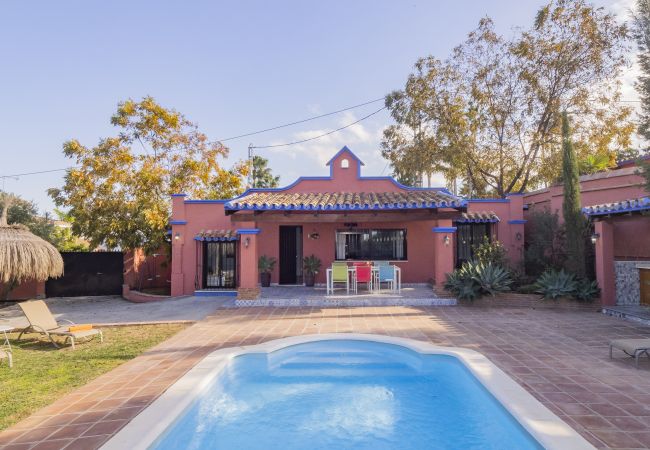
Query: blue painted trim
[
  {"x": 488, "y": 200},
  {"x": 178, "y": 222},
  {"x": 248, "y": 231},
  {"x": 643, "y": 204},
  {"x": 393, "y": 206},
  {"x": 216, "y": 239},
  {"x": 517, "y": 222},
  {"x": 207, "y": 201},
  {"x": 215, "y": 293},
  {"x": 343, "y": 150},
  {"x": 444, "y": 229},
  {"x": 179, "y": 195},
  {"x": 477, "y": 220},
  {"x": 169, "y": 232}
]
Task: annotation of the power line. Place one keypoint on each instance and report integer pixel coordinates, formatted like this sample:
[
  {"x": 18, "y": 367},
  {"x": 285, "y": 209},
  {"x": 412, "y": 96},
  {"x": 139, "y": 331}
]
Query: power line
[
  {"x": 3, "y": 177},
  {"x": 302, "y": 121},
  {"x": 321, "y": 135}
]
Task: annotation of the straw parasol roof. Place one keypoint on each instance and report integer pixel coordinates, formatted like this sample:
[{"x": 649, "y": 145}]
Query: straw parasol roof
[{"x": 23, "y": 255}]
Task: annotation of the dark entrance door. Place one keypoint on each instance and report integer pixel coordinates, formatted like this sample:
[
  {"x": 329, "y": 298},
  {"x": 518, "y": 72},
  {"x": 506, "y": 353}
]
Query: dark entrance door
[
  {"x": 219, "y": 265},
  {"x": 290, "y": 255}
]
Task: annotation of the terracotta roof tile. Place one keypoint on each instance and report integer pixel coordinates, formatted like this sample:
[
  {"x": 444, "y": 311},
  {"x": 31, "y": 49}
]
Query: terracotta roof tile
[
  {"x": 623, "y": 206},
  {"x": 478, "y": 216},
  {"x": 216, "y": 235},
  {"x": 324, "y": 201}
]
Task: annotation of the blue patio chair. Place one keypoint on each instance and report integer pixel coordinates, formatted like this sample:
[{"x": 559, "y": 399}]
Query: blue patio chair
[{"x": 386, "y": 275}]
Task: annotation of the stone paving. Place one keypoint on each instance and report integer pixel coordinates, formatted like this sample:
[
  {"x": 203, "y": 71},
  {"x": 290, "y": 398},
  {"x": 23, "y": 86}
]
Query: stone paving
[
  {"x": 113, "y": 309},
  {"x": 559, "y": 355}
]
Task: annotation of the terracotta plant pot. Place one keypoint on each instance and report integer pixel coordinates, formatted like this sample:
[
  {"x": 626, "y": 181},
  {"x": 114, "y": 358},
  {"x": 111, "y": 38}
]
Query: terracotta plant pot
[
  {"x": 309, "y": 279},
  {"x": 266, "y": 279}
]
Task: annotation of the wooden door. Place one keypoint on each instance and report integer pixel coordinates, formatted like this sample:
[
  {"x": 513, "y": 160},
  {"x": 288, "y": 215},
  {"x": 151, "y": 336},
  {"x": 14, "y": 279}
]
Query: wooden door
[{"x": 644, "y": 277}]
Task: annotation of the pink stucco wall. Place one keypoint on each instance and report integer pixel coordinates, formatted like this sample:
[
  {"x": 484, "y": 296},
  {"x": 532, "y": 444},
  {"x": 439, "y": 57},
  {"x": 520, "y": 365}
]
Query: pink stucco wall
[
  {"x": 423, "y": 246},
  {"x": 596, "y": 189}
]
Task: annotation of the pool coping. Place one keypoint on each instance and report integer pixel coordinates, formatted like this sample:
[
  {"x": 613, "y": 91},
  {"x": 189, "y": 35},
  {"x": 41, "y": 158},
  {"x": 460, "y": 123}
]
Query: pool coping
[{"x": 547, "y": 428}]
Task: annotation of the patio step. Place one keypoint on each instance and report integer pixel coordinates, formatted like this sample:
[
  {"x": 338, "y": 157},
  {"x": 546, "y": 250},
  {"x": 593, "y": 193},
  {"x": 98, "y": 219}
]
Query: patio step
[
  {"x": 343, "y": 363},
  {"x": 215, "y": 293}
]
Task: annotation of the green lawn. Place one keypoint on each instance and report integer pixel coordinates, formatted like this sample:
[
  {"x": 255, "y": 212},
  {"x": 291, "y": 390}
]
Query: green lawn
[{"x": 42, "y": 373}]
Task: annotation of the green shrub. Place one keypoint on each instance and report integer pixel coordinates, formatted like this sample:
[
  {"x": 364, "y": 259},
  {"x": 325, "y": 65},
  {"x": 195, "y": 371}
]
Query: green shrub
[
  {"x": 553, "y": 284},
  {"x": 475, "y": 279},
  {"x": 545, "y": 242},
  {"x": 491, "y": 252},
  {"x": 586, "y": 290}
]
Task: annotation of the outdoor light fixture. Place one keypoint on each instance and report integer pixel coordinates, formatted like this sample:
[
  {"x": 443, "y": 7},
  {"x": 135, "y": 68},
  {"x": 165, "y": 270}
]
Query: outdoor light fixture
[
  {"x": 177, "y": 236},
  {"x": 518, "y": 236},
  {"x": 247, "y": 242},
  {"x": 446, "y": 239},
  {"x": 594, "y": 238}
]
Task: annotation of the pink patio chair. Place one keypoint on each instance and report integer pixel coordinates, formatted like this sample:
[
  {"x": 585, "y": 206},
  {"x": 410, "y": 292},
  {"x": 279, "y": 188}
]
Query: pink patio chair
[{"x": 364, "y": 275}]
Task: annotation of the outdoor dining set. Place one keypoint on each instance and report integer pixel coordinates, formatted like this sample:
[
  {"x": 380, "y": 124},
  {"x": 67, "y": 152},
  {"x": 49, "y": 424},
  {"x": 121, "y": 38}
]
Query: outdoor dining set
[{"x": 373, "y": 274}]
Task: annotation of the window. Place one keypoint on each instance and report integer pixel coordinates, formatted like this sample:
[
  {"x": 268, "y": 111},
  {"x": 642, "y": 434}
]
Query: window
[
  {"x": 468, "y": 236},
  {"x": 345, "y": 164},
  {"x": 381, "y": 244}
]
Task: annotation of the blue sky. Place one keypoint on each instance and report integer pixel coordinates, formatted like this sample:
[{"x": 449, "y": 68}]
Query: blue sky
[{"x": 232, "y": 67}]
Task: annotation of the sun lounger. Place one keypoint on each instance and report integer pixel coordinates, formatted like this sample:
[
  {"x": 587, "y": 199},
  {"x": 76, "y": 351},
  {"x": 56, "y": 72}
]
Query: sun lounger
[
  {"x": 631, "y": 347},
  {"x": 6, "y": 354},
  {"x": 42, "y": 321}
]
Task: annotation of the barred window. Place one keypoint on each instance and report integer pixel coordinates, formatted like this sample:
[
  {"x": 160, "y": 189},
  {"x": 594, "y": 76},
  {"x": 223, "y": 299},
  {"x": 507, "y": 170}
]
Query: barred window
[{"x": 376, "y": 244}]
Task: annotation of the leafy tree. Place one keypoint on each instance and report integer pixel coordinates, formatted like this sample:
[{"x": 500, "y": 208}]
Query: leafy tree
[
  {"x": 489, "y": 113},
  {"x": 595, "y": 163},
  {"x": 118, "y": 193},
  {"x": 26, "y": 213},
  {"x": 641, "y": 32},
  {"x": 574, "y": 220},
  {"x": 262, "y": 175}
]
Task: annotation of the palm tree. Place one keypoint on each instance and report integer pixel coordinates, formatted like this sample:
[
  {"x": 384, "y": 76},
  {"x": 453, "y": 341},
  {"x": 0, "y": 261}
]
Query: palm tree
[{"x": 23, "y": 255}]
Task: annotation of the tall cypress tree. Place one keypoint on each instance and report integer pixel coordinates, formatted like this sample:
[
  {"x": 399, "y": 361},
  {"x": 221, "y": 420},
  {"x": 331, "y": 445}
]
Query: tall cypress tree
[{"x": 574, "y": 221}]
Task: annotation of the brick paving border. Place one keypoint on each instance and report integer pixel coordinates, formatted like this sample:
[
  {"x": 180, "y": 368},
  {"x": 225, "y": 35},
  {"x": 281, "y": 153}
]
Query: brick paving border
[{"x": 560, "y": 356}]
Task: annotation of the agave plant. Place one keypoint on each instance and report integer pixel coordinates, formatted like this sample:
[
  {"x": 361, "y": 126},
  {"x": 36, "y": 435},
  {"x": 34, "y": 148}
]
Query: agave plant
[
  {"x": 586, "y": 290},
  {"x": 462, "y": 286},
  {"x": 553, "y": 284},
  {"x": 491, "y": 278}
]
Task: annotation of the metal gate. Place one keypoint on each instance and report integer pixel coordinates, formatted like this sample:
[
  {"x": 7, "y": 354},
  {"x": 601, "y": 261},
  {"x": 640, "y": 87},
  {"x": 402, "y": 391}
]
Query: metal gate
[
  {"x": 219, "y": 265},
  {"x": 88, "y": 273}
]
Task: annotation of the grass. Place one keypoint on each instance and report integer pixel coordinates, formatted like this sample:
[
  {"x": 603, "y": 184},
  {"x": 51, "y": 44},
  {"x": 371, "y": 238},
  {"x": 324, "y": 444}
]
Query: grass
[{"x": 42, "y": 373}]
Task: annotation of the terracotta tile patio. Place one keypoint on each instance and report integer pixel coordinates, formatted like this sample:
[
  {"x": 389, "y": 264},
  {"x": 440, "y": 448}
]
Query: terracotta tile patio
[{"x": 559, "y": 355}]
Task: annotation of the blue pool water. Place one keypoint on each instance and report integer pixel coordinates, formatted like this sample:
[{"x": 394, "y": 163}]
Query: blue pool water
[{"x": 346, "y": 395}]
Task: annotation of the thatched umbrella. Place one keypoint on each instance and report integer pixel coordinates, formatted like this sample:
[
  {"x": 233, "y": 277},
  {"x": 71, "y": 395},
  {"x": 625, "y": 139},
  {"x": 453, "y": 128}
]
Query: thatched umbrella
[{"x": 23, "y": 255}]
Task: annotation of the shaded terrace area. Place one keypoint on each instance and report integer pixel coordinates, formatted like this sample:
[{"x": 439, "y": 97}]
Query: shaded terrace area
[{"x": 560, "y": 356}]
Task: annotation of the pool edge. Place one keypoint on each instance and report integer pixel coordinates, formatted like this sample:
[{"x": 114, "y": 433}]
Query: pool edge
[{"x": 547, "y": 428}]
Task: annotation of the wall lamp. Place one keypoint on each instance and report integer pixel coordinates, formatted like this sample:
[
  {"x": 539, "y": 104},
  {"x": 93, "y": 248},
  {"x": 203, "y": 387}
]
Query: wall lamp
[
  {"x": 446, "y": 240},
  {"x": 177, "y": 236},
  {"x": 594, "y": 238},
  {"x": 247, "y": 242},
  {"x": 518, "y": 236}
]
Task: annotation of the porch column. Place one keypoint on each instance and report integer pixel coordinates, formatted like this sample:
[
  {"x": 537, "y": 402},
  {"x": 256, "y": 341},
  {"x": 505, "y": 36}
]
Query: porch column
[
  {"x": 605, "y": 262},
  {"x": 178, "y": 223},
  {"x": 249, "y": 277},
  {"x": 443, "y": 236}
]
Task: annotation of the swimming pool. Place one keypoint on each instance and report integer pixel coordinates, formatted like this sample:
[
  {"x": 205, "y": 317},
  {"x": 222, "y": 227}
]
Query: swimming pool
[{"x": 346, "y": 391}]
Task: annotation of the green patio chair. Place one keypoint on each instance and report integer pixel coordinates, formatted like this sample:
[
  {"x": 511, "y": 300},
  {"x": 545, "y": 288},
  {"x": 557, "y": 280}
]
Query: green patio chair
[{"x": 340, "y": 275}]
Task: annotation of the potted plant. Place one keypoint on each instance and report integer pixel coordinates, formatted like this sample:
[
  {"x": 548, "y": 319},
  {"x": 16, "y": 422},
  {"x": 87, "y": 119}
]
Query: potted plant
[
  {"x": 265, "y": 265},
  {"x": 310, "y": 265}
]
